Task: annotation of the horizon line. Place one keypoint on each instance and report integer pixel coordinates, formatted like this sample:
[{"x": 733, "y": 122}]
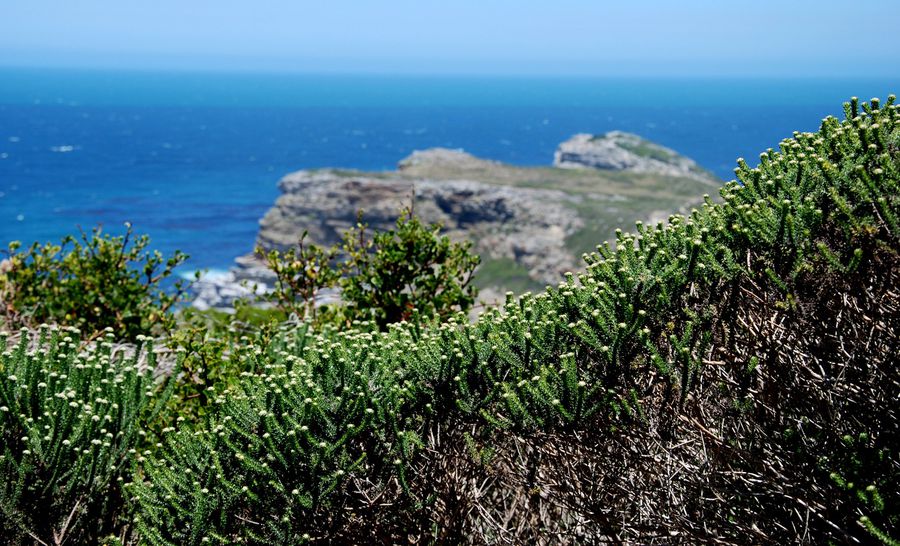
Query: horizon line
[{"x": 462, "y": 73}]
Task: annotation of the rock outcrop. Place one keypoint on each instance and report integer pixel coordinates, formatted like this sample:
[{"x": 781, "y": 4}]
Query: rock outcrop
[
  {"x": 527, "y": 224},
  {"x": 620, "y": 151}
]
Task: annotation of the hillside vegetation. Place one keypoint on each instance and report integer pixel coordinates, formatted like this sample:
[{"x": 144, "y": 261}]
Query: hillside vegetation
[{"x": 727, "y": 376}]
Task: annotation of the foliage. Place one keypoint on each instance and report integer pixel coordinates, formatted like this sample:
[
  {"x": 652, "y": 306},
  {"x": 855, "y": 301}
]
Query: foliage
[
  {"x": 93, "y": 282},
  {"x": 70, "y": 420},
  {"x": 207, "y": 341},
  {"x": 280, "y": 445},
  {"x": 383, "y": 279},
  {"x": 412, "y": 269},
  {"x": 713, "y": 343},
  {"x": 300, "y": 274}
]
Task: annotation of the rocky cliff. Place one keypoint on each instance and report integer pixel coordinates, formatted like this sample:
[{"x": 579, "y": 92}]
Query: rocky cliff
[{"x": 528, "y": 224}]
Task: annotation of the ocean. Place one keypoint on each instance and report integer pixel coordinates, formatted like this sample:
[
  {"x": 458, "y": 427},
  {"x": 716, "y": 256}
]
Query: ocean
[{"x": 193, "y": 159}]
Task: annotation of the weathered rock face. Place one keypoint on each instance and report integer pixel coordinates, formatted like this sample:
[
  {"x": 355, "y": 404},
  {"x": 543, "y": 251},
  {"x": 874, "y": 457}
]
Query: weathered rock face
[
  {"x": 622, "y": 151},
  {"x": 528, "y": 224}
]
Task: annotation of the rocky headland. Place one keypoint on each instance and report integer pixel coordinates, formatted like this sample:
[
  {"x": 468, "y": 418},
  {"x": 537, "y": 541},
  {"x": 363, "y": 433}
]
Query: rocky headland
[
  {"x": 620, "y": 151},
  {"x": 529, "y": 224}
]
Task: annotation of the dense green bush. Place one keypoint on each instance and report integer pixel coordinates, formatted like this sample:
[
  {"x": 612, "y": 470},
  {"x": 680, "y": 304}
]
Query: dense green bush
[
  {"x": 411, "y": 270},
  {"x": 383, "y": 278},
  {"x": 713, "y": 344},
  {"x": 92, "y": 282},
  {"x": 211, "y": 366},
  {"x": 71, "y": 422},
  {"x": 281, "y": 440}
]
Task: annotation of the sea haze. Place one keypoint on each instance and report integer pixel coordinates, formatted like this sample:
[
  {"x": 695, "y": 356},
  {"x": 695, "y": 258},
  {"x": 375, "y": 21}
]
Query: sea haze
[{"x": 193, "y": 158}]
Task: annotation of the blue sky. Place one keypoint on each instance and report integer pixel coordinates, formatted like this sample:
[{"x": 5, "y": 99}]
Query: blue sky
[{"x": 578, "y": 37}]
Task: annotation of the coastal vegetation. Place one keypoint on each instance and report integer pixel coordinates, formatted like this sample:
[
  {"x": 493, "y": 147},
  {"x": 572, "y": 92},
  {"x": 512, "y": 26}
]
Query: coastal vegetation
[
  {"x": 384, "y": 278},
  {"x": 94, "y": 281},
  {"x": 730, "y": 375}
]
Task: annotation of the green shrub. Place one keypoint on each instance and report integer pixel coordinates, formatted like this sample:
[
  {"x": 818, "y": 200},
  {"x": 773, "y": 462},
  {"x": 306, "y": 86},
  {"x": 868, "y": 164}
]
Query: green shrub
[
  {"x": 208, "y": 342},
  {"x": 93, "y": 282},
  {"x": 384, "y": 278},
  {"x": 300, "y": 274},
  {"x": 281, "y": 443},
  {"x": 409, "y": 270},
  {"x": 71, "y": 419}
]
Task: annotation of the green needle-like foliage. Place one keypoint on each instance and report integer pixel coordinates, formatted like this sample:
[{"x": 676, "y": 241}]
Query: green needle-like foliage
[
  {"x": 70, "y": 423},
  {"x": 281, "y": 445}
]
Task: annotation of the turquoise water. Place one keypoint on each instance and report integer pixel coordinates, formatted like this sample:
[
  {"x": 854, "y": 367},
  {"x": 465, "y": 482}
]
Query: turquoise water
[{"x": 193, "y": 158}]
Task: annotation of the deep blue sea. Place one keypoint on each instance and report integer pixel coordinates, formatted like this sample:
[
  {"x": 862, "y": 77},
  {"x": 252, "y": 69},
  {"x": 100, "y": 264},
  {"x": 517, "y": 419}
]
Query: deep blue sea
[{"x": 193, "y": 158}]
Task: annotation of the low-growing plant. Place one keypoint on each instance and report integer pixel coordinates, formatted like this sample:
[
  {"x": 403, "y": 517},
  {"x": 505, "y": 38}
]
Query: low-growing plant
[
  {"x": 207, "y": 342},
  {"x": 91, "y": 282},
  {"x": 267, "y": 463},
  {"x": 71, "y": 421}
]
